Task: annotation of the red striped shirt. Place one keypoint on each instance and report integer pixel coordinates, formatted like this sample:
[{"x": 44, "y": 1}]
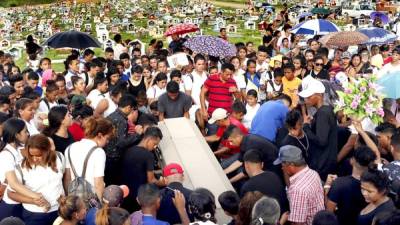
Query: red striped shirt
[
  {"x": 218, "y": 93},
  {"x": 305, "y": 195}
]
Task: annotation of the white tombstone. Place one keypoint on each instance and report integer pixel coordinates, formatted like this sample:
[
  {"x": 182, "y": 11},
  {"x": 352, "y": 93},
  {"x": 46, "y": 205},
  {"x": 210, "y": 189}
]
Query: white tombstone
[
  {"x": 188, "y": 20},
  {"x": 219, "y": 23},
  {"x": 250, "y": 25},
  {"x": 350, "y": 27},
  {"x": 231, "y": 28},
  {"x": 106, "y": 20},
  {"x": 4, "y": 44},
  {"x": 102, "y": 32}
]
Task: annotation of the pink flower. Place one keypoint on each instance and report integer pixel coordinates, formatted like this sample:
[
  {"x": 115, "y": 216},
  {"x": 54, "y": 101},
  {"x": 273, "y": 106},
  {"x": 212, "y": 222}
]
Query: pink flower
[
  {"x": 381, "y": 113},
  {"x": 347, "y": 91},
  {"x": 354, "y": 104},
  {"x": 357, "y": 98},
  {"x": 372, "y": 85},
  {"x": 363, "y": 89},
  {"x": 369, "y": 109}
]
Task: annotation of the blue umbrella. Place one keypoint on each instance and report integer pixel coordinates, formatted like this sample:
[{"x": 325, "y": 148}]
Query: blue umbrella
[
  {"x": 378, "y": 36},
  {"x": 390, "y": 84},
  {"x": 315, "y": 27},
  {"x": 211, "y": 45},
  {"x": 384, "y": 18}
]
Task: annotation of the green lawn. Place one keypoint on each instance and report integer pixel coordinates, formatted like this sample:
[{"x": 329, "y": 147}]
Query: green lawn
[{"x": 13, "y": 3}]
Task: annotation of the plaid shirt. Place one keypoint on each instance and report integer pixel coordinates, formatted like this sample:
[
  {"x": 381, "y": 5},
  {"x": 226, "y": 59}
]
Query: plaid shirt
[{"x": 306, "y": 196}]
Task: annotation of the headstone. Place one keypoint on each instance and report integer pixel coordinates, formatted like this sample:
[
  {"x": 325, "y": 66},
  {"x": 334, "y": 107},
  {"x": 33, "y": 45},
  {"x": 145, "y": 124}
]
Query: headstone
[
  {"x": 231, "y": 28},
  {"x": 250, "y": 25}
]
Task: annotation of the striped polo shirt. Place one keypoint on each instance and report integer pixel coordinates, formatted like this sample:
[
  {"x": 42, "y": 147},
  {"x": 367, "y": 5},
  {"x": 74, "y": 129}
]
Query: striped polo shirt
[{"x": 218, "y": 93}]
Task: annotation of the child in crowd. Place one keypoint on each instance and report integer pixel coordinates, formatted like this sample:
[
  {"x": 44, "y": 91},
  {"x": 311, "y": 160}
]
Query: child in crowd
[
  {"x": 213, "y": 70},
  {"x": 252, "y": 107},
  {"x": 229, "y": 201},
  {"x": 274, "y": 86},
  {"x": 158, "y": 88},
  {"x": 290, "y": 83},
  {"x": 50, "y": 98},
  {"x": 33, "y": 81},
  {"x": 176, "y": 76}
]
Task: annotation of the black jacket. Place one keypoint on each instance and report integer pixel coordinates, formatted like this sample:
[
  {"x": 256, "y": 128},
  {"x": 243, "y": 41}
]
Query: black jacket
[{"x": 122, "y": 139}]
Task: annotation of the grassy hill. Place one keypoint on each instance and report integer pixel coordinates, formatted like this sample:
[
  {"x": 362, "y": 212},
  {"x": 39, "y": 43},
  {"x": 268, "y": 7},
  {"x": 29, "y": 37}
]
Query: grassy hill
[{"x": 13, "y": 3}]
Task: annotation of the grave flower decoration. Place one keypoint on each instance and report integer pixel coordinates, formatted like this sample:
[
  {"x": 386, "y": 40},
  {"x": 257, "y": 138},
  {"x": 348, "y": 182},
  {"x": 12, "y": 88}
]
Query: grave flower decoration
[{"x": 361, "y": 99}]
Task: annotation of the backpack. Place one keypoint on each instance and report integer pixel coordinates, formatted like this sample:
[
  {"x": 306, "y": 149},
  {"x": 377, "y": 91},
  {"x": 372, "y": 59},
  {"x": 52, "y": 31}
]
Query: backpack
[{"x": 80, "y": 186}]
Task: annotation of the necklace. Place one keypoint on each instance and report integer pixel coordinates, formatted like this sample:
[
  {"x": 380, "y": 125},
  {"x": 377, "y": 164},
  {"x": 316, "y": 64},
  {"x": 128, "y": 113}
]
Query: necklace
[{"x": 305, "y": 147}]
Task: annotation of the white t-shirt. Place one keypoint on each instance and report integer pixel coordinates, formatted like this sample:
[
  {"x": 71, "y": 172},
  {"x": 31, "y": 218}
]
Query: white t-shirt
[
  {"x": 239, "y": 78},
  {"x": 96, "y": 163},
  {"x": 251, "y": 112},
  {"x": 195, "y": 84},
  {"x": 118, "y": 50},
  {"x": 271, "y": 89},
  {"x": 111, "y": 106},
  {"x": 155, "y": 92},
  {"x": 8, "y": 162},
  {"x": 95, "y": 97},
  {"x": 46, "y": 181},
  {"x": 31, "y": 127},
  {"x": 43, "y": 108},
  {"x": 68, "y": 81}
]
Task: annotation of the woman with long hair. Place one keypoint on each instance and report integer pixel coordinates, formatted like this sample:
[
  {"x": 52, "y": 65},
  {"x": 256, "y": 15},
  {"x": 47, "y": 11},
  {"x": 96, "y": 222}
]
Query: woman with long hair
[
  {"x": 42, "y": 171},
  {"x": 98, "y": 131},
  {"x": 78, "y": 86},
  {"x": 202, "y": 206},
  {"x": 158, "y": 88},
  {"x": 72, "y": 210},
  {"x": 59, "y": 121},
  {"x": 375, "y": 189},
  {"x": 112, "y": 216},
  {"x": 15, "y": 135}
]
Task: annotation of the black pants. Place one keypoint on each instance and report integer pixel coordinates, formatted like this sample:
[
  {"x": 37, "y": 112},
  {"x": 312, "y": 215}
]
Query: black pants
[
  {"x": 112, "y": 172},
  {"x": 33, "y": 218},
  {"x": 7, "y": 210}
]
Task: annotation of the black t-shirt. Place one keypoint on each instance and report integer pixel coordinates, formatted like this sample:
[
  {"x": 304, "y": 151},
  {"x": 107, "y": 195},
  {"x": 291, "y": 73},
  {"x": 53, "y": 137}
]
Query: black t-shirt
[
  {"x": 32, "y": 48},
  {"x": 269, "y": 150},
  {"x": 367, "y": 219},
  {"x": 302, "y": 143},
  {"x": 267, "y": 39},
  {"x": 346, "y": 193},
  {"x": 323, "y": 134},
  {"x": 167, "y": 211},
  {"x": 62, "y": 143},
  {"x": 270, "y": 185},
  {"x": 136, "y": 162}
]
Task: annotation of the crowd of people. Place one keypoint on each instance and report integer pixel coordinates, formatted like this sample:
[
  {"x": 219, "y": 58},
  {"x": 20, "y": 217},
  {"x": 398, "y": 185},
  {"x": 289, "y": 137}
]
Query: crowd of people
[{"x": 82, "y": 146}]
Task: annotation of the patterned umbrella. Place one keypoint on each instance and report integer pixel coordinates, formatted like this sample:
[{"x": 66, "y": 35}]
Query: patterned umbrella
[
  {"x": 315, "y": 27},
  {"x": 384, "y": 18},
  {"x": 343, "y": 39},
  {"x": 182, "y": 28},
  {"x": 72, "y": 39},
  {"x": 211, "y": 45},
  {"x": 378, "y": 36}
]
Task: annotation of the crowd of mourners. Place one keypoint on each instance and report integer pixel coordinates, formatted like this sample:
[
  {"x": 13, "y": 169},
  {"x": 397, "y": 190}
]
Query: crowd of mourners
[{"x": 81, "y": 147}]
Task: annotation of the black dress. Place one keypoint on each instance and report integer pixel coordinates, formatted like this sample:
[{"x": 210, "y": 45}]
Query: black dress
[{"x": 134, "y": 90}]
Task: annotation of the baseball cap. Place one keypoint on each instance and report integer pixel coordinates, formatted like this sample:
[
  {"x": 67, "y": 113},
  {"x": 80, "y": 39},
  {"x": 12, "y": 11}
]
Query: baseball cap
[
  {"x": 313, "y": 86},
  {"x": 289, "y": 153},
  {"x": 113, "y": 194},
  {"x": 218, "y": 114},
  {"x": 346, "y": 55},
  {"x": 172, "y": 169}
]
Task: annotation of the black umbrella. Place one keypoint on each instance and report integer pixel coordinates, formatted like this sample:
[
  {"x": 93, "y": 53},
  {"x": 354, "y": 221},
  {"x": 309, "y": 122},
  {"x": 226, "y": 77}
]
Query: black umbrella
[{"x": 72, "y": 39}]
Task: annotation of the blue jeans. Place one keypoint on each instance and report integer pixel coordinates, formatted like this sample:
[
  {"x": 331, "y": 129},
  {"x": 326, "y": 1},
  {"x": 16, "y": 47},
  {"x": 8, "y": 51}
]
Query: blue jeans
[
  {"x": 33, "y": 218},
  {"x": 7, "y": 210}
]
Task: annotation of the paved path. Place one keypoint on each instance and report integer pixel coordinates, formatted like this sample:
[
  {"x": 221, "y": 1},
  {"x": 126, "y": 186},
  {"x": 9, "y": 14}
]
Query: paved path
[{"x": 229, "y": 4}]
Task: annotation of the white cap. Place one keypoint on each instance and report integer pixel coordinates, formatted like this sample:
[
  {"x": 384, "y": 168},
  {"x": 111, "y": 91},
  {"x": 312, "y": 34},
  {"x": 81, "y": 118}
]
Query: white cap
[
  {"x": 218, "y": 114},
  {"x": 313, "y": 86}
]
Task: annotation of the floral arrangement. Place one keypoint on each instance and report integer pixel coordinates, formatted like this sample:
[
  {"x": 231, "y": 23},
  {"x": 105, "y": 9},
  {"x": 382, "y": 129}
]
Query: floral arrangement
[{"x": 360, "y": 99}]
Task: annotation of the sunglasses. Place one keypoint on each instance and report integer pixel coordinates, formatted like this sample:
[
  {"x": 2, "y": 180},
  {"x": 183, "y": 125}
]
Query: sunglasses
[{"x": 319, "y": 64}]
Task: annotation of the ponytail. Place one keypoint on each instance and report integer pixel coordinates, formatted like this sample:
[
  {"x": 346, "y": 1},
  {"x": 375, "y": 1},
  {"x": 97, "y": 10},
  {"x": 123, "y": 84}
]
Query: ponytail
[
  {"x": 102, "y": 216},
  {"x": 94, "y": 126},
  {"x": 111, "y": 216}
]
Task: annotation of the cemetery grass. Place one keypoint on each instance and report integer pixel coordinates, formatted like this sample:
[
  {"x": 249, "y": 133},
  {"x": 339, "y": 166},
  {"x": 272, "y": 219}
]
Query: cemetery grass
[{"x": 13, "y": 3}]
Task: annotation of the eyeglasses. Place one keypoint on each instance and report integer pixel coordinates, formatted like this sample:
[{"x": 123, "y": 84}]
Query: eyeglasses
[{"x": 319, "y": 64}]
